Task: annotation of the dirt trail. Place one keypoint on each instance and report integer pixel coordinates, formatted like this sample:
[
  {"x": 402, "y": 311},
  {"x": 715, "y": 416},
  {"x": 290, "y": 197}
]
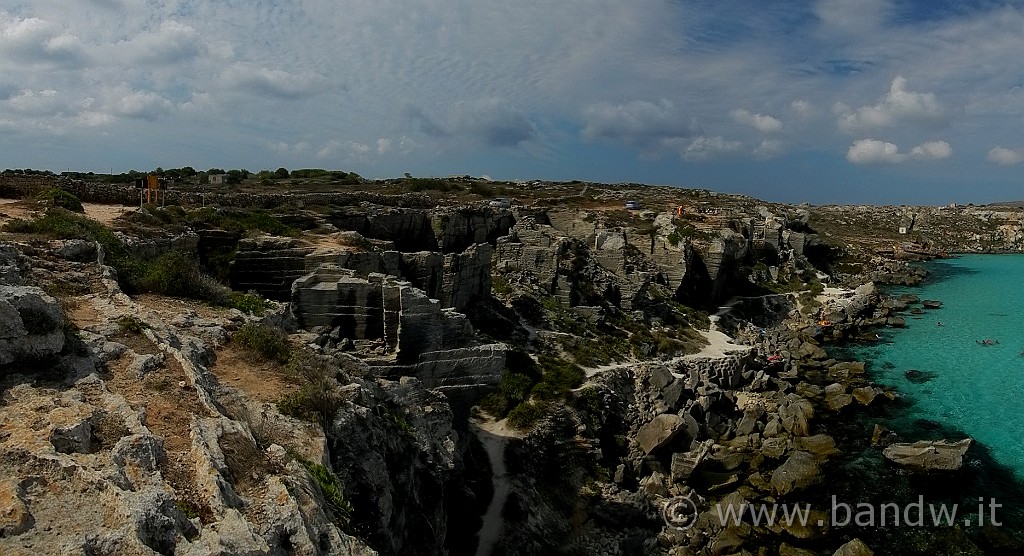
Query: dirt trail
[{"x": 20, "y": 208}]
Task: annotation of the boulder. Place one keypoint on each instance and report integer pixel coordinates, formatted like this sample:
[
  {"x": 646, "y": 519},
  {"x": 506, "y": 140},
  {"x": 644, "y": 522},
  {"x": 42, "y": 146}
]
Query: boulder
[
  {"x": 794, "y": 414},
  {"x": 836, "y": 397},
  {"x": 940, "y": 455},
  {"x": 856, "y": 547},
  {"x": 659, "y": 432},
  {"x": 800, "y": 470},
  {"x": 31, "y": 325}
]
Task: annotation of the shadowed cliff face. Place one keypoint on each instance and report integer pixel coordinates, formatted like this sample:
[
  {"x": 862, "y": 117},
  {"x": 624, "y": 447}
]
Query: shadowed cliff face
[{"x": 444, "y": 230}]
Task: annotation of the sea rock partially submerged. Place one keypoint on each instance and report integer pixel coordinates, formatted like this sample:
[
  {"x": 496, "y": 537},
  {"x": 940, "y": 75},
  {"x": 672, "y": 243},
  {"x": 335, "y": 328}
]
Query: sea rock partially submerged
[{"x": 940, "y": 455}]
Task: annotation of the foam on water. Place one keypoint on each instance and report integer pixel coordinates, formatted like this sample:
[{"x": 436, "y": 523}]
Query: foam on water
[{"x": 976, "y": 388}]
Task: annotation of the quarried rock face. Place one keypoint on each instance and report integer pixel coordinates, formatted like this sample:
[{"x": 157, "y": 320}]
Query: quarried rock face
[
  {"x": 31, "y": 325},
  {"x": 455, "y": 279},
  {"x": 268, "y": 265},
  {"x": 447, "y": 230},
  {"x": 378, "y": 307}
]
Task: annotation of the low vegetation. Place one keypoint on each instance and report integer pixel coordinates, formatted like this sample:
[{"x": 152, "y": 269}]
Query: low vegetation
[
  {"x": 318, "y": 397},
  {"x": 263, "y": 341}
]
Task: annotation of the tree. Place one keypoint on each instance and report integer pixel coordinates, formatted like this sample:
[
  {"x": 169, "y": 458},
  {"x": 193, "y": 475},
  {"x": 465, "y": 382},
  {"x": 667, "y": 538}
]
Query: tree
[{"x": 281, "y": 173}]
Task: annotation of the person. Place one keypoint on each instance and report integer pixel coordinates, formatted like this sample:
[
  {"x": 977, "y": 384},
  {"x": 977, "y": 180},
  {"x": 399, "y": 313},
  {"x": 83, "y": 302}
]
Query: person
[{"x": 938, "y": 323}]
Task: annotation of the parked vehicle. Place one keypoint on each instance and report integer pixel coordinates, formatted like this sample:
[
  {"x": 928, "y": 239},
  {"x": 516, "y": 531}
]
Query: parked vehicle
[
  {"x": 500, "y": 202},
  {"x": 632, "y": 205}
]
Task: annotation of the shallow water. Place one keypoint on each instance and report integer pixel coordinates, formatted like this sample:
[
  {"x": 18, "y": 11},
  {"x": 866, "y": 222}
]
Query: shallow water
[{"x": 978, "y": 389}]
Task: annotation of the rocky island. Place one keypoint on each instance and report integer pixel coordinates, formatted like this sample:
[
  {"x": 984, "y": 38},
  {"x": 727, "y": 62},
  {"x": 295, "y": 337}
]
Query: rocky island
[{"x": 332, "y": 365}]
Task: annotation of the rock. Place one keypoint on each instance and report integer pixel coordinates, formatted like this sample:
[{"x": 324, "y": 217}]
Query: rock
[
  {"x": 836, "y": 397},
  {"x": 800, "y": 470},
  {"x": 774, "y": 447},
  {"x": 683, "y": 465},
  {"x": 877, "y": 433},
  {"x": 75, "y": 250},
  {"x": 856, "y": 547},
  {"x": 15, "y": 517},
  {"x": 72, "y": 429},
  {"x": 31, "y": 325},
  {"x": 940, "y": 455},
  {"x": 659, "y": 432},
  {"x": 787, "y": 550},
  {"x": 794, "y": 414},
  {"x": 821, "y": 445},
  {"x": 865, "y": 395}
]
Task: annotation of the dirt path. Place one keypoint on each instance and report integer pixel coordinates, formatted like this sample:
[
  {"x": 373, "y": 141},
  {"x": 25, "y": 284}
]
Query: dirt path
[
  {"x": 495, "y": 436},
  {"x": 20, "y": 208}
]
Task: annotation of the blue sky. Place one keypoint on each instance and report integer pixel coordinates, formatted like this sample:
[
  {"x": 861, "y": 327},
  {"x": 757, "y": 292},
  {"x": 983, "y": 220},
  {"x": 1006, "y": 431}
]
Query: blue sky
[{"x": 859, "y": 101}]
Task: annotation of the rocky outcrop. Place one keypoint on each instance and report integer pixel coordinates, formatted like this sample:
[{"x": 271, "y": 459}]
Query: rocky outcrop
[{"x": 31, "y": 325}]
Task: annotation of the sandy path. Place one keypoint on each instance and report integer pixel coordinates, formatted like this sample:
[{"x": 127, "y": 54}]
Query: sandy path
[
  {"x": 20, "y": 208},
  {"x": 495, "y": 436}
]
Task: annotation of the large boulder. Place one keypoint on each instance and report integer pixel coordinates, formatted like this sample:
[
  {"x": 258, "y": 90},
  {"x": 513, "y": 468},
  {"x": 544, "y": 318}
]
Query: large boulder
[
  {"x": 940, "y": 455},
  {"x": 659, "y": 432},
  {"x": 799, "y": 471},
  {"x": 31, "y": 325}
]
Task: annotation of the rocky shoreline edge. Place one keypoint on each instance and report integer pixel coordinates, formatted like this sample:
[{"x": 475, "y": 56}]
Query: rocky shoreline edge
[{"x": 783, "y": 424}]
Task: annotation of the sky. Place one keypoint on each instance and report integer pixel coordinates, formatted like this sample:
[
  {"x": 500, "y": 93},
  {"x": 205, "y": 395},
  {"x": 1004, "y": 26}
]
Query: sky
[{"x": 829, "y": 101}]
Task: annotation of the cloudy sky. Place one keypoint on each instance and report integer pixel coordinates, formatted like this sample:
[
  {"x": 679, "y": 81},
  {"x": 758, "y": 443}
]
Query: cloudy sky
[{"x": 881, "y": 101}]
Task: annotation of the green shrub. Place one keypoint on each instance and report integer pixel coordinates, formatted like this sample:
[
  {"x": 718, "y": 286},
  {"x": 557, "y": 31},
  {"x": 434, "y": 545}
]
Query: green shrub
[
  {"x": 250, "y": 303},
  {"x": 179, "y": 274},
  {"x": 333, "y": 492},
  {"x": 526, "y": 415},
  {"x": 264, "y": 341},
  {"x": 59, "y": 198},
  {"x": 318, "y": 398},
  {"x": 131, "y": 324}
]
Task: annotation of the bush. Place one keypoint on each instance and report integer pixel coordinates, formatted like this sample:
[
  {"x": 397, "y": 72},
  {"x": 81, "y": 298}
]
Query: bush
[
  {"x": 131, "y": 324},
  {"x": 179, "y": 274},
  {"x": 333, "y": 492},
  {"x": 526, "y": 415},
  {"x": 318, "y": 399},
  {"x": 250, "y": 303},
  {"x": 59, "y": 198},
  {"x": 265, "y": 341}
]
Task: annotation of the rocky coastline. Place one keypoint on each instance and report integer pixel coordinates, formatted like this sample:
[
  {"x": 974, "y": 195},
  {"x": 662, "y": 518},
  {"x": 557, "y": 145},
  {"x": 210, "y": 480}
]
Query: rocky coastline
[{"x": 635, "y": 372}]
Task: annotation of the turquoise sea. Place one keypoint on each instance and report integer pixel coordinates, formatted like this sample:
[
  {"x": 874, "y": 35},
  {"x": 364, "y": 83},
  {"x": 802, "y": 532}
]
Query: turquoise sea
[{"x": 978, "y": 389}]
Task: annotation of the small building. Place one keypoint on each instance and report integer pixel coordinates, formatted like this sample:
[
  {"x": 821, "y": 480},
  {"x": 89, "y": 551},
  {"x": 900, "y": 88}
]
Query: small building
[{"x": 218, "y": 179}]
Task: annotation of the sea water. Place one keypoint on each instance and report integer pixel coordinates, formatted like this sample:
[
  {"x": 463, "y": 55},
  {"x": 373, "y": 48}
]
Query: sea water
[{"x": 968, "y": 354}]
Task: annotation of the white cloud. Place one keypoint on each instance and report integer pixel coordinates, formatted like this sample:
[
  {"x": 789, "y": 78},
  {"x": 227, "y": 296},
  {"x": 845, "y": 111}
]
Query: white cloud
[
  {"x": 873, "y": 151},
  {"x": 34, "y": 40},
  {"x": 383, "y": 145},
  {"x": 172, "y": 42},
  {"x": 769, "y": 148},
  {"x": 139, "y": 104},
  {"x": 1005, "y": 156},
  {"x": 760, "y": 122},
  {"x": 703, "y": 148},
  {"x": 265, "y": 81},
  {"x": 802, "y": 109},
  {"x": 898, "y": 106},
  {"x": 934, "y": 150}
]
